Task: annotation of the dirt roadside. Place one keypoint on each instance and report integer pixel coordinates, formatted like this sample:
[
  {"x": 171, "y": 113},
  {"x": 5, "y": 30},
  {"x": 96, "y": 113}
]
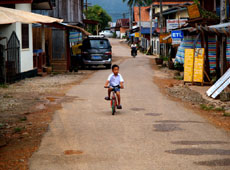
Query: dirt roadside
[
  {"x": 212, "y": 110},
  {"x": 26, "y": 109}
]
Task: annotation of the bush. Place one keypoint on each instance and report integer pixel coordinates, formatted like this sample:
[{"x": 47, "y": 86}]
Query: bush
[{"x": 114, "y": 35}]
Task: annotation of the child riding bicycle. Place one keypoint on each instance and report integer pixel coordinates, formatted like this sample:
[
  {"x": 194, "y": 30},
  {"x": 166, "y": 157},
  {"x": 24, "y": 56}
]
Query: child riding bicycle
[{"x": 115, "y": 82}]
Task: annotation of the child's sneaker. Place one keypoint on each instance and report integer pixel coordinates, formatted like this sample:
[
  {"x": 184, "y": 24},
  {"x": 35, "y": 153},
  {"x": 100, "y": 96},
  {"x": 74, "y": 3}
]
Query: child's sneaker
[
  {"x": 119, "y": 107},
  {"x": 107, "y": 98}
]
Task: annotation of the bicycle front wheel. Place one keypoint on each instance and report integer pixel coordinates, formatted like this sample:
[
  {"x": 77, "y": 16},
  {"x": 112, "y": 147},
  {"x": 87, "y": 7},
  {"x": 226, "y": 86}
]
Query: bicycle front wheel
[{"x": 113, "y": 107}]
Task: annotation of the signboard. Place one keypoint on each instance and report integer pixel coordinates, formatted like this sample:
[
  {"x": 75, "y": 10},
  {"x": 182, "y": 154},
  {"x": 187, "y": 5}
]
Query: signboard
[
  {"x": 137, "y": 34},
  {"x": 188, "y": 65},
  {"x": 199, "y": 65},
  {"x": 176, "y": 41},
  {"x": 194, "y": 65},
  {"x": 164, "y": 39},
  {"x": 177, "y": 37},
  {"x": 193, "y": 11},
  {"x": 177, "y": 34},
  {"x": 175, "y": 23}
]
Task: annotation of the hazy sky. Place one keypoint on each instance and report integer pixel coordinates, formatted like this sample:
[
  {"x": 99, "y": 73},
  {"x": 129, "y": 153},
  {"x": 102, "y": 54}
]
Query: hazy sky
[{"x": 115, "y": 8}]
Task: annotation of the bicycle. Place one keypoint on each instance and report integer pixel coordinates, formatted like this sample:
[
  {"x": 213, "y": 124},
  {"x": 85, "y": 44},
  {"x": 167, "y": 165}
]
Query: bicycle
[{"x": 114, "y": 99}]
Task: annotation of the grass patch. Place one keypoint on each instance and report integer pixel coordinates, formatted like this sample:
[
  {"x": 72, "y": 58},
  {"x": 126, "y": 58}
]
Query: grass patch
[
  {"x": 17, "y": 130},
  {"x": 210, "y": 107},
  {"x": 23, "y": 119},
  {"x": 226, "y": 114},
  {"x": 206, "y": 107},
  {"x": 4, "y": 86},
  {"x": 178, "y": 77},
  {"x": 219, "y": 109}
]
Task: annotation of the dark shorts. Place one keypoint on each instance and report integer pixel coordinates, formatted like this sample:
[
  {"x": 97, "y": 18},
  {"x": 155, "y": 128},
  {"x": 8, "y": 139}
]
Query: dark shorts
[{"x": 116, "y": 89}]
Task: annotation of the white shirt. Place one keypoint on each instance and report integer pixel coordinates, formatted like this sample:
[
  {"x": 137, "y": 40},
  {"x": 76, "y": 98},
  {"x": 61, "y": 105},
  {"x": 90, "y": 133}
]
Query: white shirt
[
  {"x": 133, "y": 45},
  {"x": 115, "y": 80}
]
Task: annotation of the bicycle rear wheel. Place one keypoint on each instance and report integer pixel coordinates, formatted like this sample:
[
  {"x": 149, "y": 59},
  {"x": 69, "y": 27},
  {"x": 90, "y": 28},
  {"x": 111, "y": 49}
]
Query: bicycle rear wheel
[{"x": 113, "y": 107}]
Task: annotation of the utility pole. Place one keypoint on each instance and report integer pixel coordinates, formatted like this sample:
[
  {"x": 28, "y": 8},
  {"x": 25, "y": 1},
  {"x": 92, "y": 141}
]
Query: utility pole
[
  {"x": 161, "y": 25},
  {"x": 223, "y": 60},
  {"x": 151, "y": 27},
  {"x": 222, "y": 11},
  {"x": 139, "y": 21},
  {"x": 161, "y": 18},
  {"x": 130, "y": 18},
  {"x": 130, "y": 23}
]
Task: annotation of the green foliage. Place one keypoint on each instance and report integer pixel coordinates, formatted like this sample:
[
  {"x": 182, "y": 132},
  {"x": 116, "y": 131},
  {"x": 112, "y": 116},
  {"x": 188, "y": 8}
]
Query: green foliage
[
  {"x": 196, "y": 2},
  {"x": 17, "y": 130},
  {"x": 114, "y": 34},
  {"x": 226, "y": 114},
  {"x": 4, "y": 86},
  {"x": 23, "y": 119},
  {"x": 178, "y": 77},
  {"x": 206, "y": 107},
  {"x": 124, "y": 36},
  {"x": 219, "y": 109},
  {"x": 97, "y": 13}
]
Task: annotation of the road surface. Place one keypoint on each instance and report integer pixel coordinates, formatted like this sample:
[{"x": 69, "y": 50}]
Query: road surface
[{"x": 150, "y": 133}]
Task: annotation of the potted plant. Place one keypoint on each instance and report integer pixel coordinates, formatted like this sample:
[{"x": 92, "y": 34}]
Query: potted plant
[{"x": 159, "y": 61}]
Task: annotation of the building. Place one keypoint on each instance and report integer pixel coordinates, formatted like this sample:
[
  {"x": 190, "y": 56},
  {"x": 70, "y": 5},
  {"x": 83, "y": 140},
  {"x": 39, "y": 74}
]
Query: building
[
  {"x": 22, "y": 33},
  {"x": 61, "y": 38},
  {"x": 69, "y": 10},
  {"x": 122, "y": 26}
]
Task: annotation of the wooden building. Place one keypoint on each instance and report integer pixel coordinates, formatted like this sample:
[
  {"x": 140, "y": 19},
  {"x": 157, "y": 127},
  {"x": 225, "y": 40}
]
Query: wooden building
[
  {"x": 69, "y": 10},
  {"x": 58, "y": 46}
]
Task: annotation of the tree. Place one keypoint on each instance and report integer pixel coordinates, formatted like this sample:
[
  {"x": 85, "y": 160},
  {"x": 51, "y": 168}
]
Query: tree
[{"x": 97, "y": 13}]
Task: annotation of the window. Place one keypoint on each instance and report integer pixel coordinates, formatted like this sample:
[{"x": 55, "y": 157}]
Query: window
[
  {"x": 99, "y": 44},
  {"x": 25, "y": 36}
]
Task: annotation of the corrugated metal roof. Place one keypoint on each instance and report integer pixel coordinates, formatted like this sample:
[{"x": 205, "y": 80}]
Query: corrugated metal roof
[{"x": 224, "y": 25}]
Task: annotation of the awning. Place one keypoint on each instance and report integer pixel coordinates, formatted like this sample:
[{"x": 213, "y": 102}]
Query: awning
[
  {"x": 77, "y": 28},
  {"x": 9, "y": 16},
  {"x": 67, "y": 26}
]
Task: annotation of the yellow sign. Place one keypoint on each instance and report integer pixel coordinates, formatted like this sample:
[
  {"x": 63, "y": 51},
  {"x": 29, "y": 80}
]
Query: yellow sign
[
  {"x": 199, "y": 65},
  {"x": 137, "y": 34},
  {"x": 188, "y": 65},
  {"x": 193, "y": 11},
  {"x": 194, "y": 65}
]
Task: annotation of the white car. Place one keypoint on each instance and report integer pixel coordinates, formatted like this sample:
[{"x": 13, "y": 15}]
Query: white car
[{"x": 106, "y": 33}]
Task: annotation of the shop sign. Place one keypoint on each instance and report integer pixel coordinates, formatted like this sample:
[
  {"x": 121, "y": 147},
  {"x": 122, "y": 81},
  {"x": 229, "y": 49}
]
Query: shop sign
[
  {"x": 137, "y": 34},
  {"x": 175, "y": 23},
  {"x": 177, "y": 37},
  {"x": 177, "y": 34}
]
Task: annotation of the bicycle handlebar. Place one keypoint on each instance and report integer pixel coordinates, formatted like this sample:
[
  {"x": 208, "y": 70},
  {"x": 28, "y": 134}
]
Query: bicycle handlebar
[{"x": 107, "y": 87}]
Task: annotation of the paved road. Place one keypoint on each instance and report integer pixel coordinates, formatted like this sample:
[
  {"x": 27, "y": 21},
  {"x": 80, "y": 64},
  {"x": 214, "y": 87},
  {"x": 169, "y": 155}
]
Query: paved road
[{"x": 150, "y": 133}]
